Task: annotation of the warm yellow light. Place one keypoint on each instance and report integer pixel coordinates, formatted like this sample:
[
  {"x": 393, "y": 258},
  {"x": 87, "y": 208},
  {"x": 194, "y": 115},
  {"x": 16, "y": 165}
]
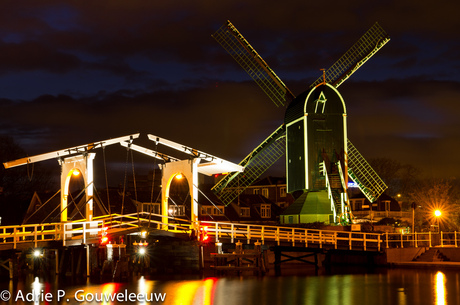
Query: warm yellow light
[
  {"x": 440, "y": 286},
  {"x": 437, "y": 213},
  {"x": 179, "y": 176},
  {"x": 76, "y": 172}
]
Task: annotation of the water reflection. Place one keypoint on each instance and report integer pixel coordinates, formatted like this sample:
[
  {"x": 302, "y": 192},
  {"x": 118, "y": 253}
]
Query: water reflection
[
  {"x": 440, "y": 288},
  {"x": 392, "y": 286}
]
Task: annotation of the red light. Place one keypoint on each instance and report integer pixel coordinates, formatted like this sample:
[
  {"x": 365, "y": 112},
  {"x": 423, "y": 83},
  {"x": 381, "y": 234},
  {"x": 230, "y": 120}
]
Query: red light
[
  {"x": 104, "y": 237},
  {"x": 204, "y": 234}
]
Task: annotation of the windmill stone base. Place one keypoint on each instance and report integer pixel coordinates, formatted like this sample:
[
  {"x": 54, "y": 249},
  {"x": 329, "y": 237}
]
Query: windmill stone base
[{"x": 308, "y": 208}]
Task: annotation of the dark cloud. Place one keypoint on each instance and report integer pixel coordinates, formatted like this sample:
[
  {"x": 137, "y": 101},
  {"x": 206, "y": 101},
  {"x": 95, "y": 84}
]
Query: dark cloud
[{"x": 77, "y": 72}]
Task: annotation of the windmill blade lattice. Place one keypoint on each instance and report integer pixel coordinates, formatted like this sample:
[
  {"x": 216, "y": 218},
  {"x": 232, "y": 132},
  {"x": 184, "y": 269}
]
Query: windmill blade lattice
[
  {"x": 364, "y": 175},
  {"x": 245, "y": 55},
  {"x": 371, "y": 42},
  {"x": 255, "y": 164}
]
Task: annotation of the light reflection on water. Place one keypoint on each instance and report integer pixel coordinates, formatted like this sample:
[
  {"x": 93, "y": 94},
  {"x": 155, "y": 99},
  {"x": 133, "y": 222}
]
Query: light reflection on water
[{"x": 392, "y": 286}]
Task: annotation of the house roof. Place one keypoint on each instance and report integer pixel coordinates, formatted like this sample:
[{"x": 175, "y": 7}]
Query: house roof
[{"x": 269, "y": 180}]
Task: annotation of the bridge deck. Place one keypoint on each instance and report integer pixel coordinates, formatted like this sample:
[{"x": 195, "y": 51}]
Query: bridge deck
[{"x": 84, "y": 232}]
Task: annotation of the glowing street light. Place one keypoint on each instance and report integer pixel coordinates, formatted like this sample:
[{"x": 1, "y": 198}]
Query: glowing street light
[{"x": 437, "y": 213}]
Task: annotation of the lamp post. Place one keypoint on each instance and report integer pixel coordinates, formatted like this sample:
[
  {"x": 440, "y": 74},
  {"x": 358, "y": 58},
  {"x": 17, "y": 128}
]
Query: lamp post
[{"x": 437, "y": 213}]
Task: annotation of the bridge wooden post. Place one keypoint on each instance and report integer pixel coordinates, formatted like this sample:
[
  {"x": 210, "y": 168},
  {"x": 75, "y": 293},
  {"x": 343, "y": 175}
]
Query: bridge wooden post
[
  {"x": 233, "y": 232},
  {"x": 35, "y": 236},
  {"x": 364, "y": 241}
]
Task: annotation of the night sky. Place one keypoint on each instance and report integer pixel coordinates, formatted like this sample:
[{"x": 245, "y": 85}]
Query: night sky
[{"x": 74, "y": 72}]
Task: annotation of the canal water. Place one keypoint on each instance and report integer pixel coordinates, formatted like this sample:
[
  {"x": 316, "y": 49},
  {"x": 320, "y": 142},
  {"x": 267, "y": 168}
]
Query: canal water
[{"x": 384, "y": 286}]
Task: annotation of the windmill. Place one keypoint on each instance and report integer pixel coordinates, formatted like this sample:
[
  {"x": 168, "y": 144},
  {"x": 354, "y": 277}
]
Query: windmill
[{"x": 319, "y": 156}]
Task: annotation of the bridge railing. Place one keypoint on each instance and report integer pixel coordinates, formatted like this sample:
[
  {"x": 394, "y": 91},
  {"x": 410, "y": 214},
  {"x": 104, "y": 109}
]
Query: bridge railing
[
  {"x": 83, "y": 230},
  {"x": 35, "y": 233},
  {"x": 422, "y": 239},
  {"x": 294, "y": 236},
  {"x": 142, "y": 219},
  {"x": 30, "y": 233}
]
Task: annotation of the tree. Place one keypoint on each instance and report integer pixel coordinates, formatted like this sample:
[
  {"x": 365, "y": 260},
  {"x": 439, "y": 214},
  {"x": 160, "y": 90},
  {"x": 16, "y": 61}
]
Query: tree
[
  {"x": 400, "y": 178},
  {"x": 18, "y": 184},
  {"x": 436, "y": 194}
]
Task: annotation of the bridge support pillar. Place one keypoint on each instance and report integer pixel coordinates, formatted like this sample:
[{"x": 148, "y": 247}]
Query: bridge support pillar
[
  {"x": 189, "y": 170},
  {"x": 80, "y": 164}
]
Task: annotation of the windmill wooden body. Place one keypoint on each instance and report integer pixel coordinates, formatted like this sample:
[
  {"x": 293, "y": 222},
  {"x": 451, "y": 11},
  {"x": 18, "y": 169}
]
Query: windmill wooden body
[{"x": 319, "y": 157}]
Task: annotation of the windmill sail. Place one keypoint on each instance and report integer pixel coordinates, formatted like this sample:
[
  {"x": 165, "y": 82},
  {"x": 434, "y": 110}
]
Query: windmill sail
[
  {"x": 245, "y": 55},
  {"x": 372, "y": 41},
  {"x": 255, "y": 164},
  {"x": 364, "y": 175}
]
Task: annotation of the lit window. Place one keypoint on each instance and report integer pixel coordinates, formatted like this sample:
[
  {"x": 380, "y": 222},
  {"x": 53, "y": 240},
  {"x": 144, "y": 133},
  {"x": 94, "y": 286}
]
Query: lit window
[
  {"x": 256, "y": 191},
  {"x": 283, "y": 191},
  {"x": 265, "y": 211},
  {"x": 178, "y": 210},
  {"x": 265, "y": 192}
]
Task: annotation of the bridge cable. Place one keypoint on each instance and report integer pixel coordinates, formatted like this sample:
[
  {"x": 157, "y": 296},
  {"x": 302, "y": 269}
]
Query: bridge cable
[
  {"x": 31, "y": 174},
  {"x": 135, "y": 189},
  {"x": 76, "y": 205},
  {"x": 211, "y": 203},
  {"x": 79, "y": 194},
  {"x": 106, "y": 182},
  {"x": 153, "y": 184},
  {"x": 41, "y": 206},
  {"x": 99, "y": 202},
  {"x": 124, "y": 184}
]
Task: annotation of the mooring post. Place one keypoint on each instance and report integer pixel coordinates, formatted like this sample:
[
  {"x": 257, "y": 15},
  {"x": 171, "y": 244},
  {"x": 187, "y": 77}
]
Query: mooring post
[
  {"x": 277, "y": 261},
  {"x": 88, "y": 265},
  {"x": 56, "y": 260},
  {"x": 219, "y": 248},
  {"x": 11, "y": 268}
]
